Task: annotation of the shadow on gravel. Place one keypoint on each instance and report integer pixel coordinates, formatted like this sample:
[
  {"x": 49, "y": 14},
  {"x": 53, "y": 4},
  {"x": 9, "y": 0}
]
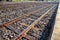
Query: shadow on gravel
[{"x": 49, "y": 28}]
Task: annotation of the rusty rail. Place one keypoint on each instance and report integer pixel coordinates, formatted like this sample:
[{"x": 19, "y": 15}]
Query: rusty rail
[
  {"x": 30, "y": 25},
  {"x": 23, "y": 34}
]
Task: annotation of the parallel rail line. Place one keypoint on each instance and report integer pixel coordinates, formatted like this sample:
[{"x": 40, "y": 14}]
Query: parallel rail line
[{"x": 30, "y": 25}]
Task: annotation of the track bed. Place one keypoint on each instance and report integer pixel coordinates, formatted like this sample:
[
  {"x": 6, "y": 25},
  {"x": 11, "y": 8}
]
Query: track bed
[{"x": 25, "y": 21}]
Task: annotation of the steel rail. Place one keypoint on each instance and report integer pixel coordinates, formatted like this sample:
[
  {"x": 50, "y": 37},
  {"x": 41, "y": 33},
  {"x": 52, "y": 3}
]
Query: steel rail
[{"x": 32, "y": 25}]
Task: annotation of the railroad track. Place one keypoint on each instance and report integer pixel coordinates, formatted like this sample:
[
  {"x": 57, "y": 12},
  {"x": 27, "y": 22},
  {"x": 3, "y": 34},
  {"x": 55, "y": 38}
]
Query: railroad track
[
  {"x": 30, "y": 24},
  {"x": 13, "y": 12}
]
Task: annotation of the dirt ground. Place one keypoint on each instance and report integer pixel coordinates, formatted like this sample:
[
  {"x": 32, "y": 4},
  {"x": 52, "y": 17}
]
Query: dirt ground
[{"x": 56, "y": 31}]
